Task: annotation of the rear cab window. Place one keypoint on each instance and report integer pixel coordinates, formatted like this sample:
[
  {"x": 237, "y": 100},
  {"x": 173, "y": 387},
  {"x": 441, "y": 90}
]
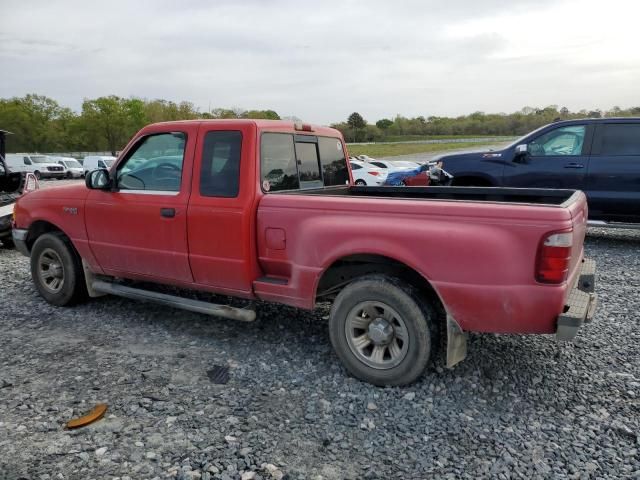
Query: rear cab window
[
  {"x": 291, "y": 162},
  {"x": 220, "y": 170}
]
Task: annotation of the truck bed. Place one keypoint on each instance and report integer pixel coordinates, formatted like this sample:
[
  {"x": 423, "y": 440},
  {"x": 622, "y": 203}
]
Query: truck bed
[
  {"x": 477, "y": 247},
  {"x": 529, "y": 196}
]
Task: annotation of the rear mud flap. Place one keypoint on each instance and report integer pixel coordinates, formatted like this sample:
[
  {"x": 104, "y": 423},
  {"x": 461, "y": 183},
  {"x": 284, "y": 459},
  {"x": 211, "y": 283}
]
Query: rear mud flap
[{"x": 456, "y": 343}]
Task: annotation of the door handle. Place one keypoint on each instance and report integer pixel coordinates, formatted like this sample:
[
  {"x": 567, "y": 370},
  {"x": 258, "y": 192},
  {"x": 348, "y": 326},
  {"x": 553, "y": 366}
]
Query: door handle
[
  {"x": 168, "y": 212},
  {"x": 574, "y": 165}
]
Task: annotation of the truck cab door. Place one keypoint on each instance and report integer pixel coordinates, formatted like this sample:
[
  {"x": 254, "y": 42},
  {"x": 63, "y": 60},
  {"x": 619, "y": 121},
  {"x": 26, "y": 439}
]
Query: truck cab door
[
  {"x": 139, "y": 228},
  {"x": 557, "y": 158},
  {"x": 613, "y": 183},
  {"x": 220, "y": 218}
]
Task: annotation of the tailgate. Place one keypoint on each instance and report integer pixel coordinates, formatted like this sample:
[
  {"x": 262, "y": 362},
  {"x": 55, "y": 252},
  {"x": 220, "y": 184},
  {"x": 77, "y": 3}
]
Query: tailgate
[{"x": 577, "y": 206}]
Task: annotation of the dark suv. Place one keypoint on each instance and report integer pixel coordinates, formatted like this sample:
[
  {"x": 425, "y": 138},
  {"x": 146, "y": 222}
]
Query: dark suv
[{"x": 599, "y": 156}]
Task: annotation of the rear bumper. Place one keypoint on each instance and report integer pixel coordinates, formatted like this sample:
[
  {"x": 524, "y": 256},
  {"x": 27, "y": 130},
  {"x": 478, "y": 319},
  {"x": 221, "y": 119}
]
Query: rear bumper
[
  {"x": 20, "y": 240},
  {"x": 581, "y": 303}
]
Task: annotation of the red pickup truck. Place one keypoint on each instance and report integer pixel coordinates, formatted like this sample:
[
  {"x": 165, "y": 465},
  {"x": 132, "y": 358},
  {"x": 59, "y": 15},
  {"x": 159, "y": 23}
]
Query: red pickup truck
[{"x": 266, "y": 211}]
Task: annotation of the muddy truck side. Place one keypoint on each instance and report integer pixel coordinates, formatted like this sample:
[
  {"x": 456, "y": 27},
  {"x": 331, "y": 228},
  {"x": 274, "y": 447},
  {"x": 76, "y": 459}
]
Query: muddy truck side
[{"x": 267, "y": 211}]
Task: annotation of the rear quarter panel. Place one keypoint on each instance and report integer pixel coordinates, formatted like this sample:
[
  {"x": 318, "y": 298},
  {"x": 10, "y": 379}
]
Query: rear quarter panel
[{"x": 479, "y": 257}]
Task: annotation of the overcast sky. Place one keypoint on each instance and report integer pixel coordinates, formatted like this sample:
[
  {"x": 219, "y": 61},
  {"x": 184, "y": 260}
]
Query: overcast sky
[{"x": 322, "y": 60}]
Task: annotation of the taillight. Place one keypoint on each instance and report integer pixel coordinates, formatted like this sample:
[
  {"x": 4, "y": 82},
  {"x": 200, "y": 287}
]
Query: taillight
[
  {"x": 554, "y": 256},
  {"x": 375, "y": 174}
]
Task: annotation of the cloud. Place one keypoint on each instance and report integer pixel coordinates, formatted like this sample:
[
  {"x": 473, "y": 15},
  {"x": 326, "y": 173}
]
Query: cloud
[{"x": 324, "y": 60}]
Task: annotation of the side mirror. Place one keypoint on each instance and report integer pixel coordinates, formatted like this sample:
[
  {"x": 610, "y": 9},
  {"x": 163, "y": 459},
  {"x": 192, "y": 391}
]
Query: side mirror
[
  {"x": 521, "y": 149},
  {"x": 98, "y": 179}
]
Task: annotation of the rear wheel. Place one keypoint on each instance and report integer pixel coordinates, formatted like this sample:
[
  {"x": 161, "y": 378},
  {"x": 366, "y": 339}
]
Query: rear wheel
[
  {"x": 382, "y": 330},
  {"x": 360, "y": 182},
  {"x": 56, "y": 270}
]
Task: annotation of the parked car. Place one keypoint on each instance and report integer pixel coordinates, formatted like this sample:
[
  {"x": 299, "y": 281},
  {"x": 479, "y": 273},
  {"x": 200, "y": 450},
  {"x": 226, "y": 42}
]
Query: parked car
[
  {"x": 401, "y": 266},
  {"x": 41, "y": 166},
  {"x": 431, "y": 173},
  {"x": 364, "y": 174},
  {"x": 12, "y": 185},
  {"x": 598, "y": 156},
  {"x": 72, "y": 167},
  {"x": 403, "y": 173},
  {"x": 92, "y": 162}
]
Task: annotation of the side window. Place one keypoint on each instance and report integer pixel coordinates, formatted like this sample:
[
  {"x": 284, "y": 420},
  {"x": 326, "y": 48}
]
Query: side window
[
  {"x": 334, "y": 163},
  {"x": 220, "y": 171},
  {"x": 101, "y": 164},
  {"x": 355, "y": 166},
  {"x": 564, "y": 141},
  {"x": 308, "y": 165},
  {"x": 278, "y": 169},
  {"x": 155, "y": 163},
  {"x": 620, "y": 139},
  {"x": 27, "y": 161}
]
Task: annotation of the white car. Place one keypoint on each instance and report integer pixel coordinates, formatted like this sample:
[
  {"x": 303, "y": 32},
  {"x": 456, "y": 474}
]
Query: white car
[
  {"x": 41, "y": 166},
  {"x": 364, "y": 174},
  {"x": 93, "y": 162},
  {"x": 72, "y": 167},
  {"x": 394, "y": 166}
]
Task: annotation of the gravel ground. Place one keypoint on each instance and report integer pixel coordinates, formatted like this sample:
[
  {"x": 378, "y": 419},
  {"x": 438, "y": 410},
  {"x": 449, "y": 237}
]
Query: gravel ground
[{"x": 513, "y": 409}]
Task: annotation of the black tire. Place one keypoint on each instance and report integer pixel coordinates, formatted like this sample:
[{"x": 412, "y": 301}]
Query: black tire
[
  {"x": 37, "y": 174},
  {"x": 58, "y": 247},
  {"x": 360, "y": 182},
  {"x": 418, "y": 319}
]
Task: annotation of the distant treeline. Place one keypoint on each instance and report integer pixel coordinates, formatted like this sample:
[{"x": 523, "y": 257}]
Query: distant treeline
[
  {"x": 357, "y": 129},
  {"x": 40, "y": 124}
]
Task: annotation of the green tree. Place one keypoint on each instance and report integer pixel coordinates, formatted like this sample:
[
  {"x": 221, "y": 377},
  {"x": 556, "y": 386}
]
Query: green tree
[
  {"x": 108, "y": 122},
  {"x": 384, "y": 123},
  {"x": 357, "y": 124}
]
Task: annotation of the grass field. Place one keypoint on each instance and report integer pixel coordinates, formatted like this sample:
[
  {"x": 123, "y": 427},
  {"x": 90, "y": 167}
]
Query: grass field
[
  {"x": 415, "y": 138},
  {"x": 391, "y": 150}
]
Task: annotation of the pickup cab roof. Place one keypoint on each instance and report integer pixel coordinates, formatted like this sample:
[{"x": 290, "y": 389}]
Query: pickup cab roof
[{"x": 270, "y": 125}]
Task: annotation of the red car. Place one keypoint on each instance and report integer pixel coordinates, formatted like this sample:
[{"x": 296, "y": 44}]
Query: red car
[
  {"x": 260, "y": 210},
  {"x": 406, "y": 173}
]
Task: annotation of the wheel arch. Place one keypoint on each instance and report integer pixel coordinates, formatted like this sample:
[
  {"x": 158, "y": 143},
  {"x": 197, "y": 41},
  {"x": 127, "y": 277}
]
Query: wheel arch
[
  {"x": 39, "y": 228},
  {"x": 347, "y": 268},
  {"x": 474, "y": 179}
]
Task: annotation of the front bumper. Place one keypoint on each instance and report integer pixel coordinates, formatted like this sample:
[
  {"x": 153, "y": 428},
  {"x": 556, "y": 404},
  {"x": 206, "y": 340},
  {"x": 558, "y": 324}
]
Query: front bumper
[
  {"x": 581, "y": 304},
  {"x": 20, "y": 240},
  {"x": 47, "y": 174}
]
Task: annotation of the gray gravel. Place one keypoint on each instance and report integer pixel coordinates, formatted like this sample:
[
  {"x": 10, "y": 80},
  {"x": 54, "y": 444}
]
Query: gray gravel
[{"x": 513, "y": 409}]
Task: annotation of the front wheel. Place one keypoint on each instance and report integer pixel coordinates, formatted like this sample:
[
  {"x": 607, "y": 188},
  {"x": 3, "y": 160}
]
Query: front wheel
[
  {"x": 56, "y": 270},
  {"x": 382, "y": 330},
  {"x": 37, "y": 174}
]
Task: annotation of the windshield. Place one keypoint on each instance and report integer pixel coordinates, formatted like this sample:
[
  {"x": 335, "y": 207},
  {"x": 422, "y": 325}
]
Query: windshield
[
  {"x": 72, "y": 164},
  {"x": 41, "y": 159},
  {"x": 521, "y": 139},
  {"x": 108, "y": 162}
]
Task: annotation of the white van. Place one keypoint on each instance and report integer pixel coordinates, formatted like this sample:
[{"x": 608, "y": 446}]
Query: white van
[
  {"x": 72, "y": 167},
  {"x": 41, "y": 166},
  {"x": 94, "y": 162}
]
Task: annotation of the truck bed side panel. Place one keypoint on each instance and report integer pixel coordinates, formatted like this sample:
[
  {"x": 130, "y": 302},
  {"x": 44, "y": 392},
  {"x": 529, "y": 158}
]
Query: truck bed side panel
[{"x": 479, "y": 257}]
